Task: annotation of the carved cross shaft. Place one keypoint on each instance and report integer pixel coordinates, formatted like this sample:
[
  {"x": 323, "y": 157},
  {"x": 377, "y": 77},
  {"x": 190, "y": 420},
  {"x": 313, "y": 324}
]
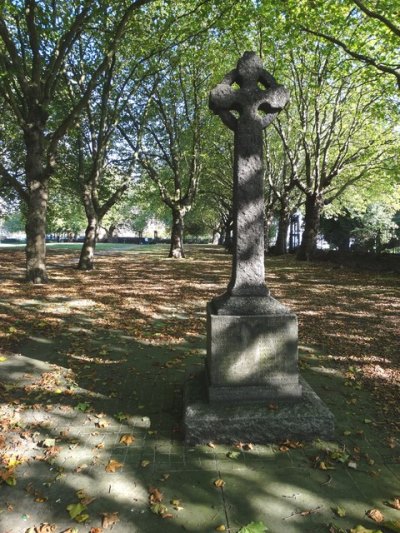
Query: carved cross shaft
[{"x": 258, "y": 100}]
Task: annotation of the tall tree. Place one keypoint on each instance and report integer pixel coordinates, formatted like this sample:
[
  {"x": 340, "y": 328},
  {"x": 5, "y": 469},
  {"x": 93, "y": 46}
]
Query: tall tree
[
  {"x": 339, "y": 131},
  {"x": 283, "y": 196},
  {"x": 36, "y": 38},
  {"x": 171, "y": 150}
]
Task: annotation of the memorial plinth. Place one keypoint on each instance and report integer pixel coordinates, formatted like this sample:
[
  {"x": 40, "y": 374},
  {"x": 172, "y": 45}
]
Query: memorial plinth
[{"x": 251, "y": 337}]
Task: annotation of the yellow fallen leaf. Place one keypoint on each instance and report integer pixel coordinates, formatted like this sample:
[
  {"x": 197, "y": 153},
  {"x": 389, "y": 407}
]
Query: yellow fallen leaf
[
  {"x": 127, "y": 439},
  {"x": 220, "y": 528},
  {"x": 144, "y": 463},
  {"x": 395, "y": 503},
  {"x": 113, "y": 466},
  {"x": 219, "y": 483},
  {"x": 109, "y": 520},
  {"x": 375, "y": 515}
]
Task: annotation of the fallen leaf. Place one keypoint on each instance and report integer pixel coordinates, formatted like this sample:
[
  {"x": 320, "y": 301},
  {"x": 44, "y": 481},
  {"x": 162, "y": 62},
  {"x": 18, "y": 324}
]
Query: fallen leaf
[
  {"x": 155, "y": 495},
  {"x": 113, "y": 465},
  {"x": 40, "y": 499},
  {"x": 340, "y": 511},
  {"x": 211, "y": 445},
  {"x": 83, "y": 406},
  {"x": 127, "y": 439},
  {"x": 159, "y": 509},
  {"x": 362, "y": 529},
  {"x": 395, "y": 503},
  {"x": 77, "y": 511},
  {"x": 109, "y": 519},
  {"x": 254, "y": 527},
  {"x": 233, "y": 455},
  {"x": 144, "y": 463},
  {"x": 375, "y": 515},
  {"x": 220, "y": 528},
  {"x": 219, "y": 483},
  {"x": 43, "y": 528}
]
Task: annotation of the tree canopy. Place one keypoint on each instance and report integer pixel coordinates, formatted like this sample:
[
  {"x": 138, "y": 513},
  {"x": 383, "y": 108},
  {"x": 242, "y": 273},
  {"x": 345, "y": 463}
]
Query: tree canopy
[{"x": 101, "y": 98}]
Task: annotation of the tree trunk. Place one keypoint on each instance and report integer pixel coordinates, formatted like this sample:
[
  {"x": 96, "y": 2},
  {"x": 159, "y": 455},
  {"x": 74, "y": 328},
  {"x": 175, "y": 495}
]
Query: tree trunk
[
  {"x": 269, "y": 217},
  {"x": 216, "y": 236},
  {"x": 37, "y": 184},
  {"x": 86, "y": 259},
  {"x": 36, "y": 234},
  {"x": 176, "y": 251},
  {"x": 283, "y": 228},
  {"x": 313, "y": 207}
]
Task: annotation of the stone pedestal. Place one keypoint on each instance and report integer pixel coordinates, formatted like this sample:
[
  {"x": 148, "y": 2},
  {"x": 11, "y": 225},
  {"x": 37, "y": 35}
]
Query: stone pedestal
[
  {"x": 252, "y": 362},
  {"x": 252, "y": 351}
]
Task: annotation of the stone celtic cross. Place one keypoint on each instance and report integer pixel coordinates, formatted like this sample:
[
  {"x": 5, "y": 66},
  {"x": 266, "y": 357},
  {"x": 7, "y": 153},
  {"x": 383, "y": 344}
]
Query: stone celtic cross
[{"x": 257, "y": 100}]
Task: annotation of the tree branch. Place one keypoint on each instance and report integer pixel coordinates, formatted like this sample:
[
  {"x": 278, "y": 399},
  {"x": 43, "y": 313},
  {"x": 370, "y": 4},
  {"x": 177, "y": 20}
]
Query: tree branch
[
  {"x": 374, "y": 15},
  {"x": 360, "y": 57},
  {"x": 13, "y": 182}
]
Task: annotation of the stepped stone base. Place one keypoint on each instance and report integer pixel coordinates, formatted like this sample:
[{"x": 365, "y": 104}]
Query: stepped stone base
[{"x": 303, "y": 418}]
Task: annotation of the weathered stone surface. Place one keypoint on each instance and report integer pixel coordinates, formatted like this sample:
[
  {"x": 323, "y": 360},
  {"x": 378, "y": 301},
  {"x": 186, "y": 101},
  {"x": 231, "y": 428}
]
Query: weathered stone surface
[
  {"x": 252, "y": 356},
  {"x": 257, "y": 107},
  {"x": 303, "y": 419}
]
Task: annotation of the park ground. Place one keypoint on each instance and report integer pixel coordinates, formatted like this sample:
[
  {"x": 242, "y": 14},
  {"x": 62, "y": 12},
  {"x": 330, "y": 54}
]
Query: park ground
[{"x": 92, "y": 368}]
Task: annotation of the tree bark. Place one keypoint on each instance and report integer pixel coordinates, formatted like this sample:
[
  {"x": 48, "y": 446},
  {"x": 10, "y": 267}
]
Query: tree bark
[
  {"x": 37, "y": 198},
  {"x": 313, "y": 206},
  {"x": 86, "y": 259},
  {"x": 269, "y": 217},
  {"x": 176, "y": 251},
  {"x": 283, "y": 228}
]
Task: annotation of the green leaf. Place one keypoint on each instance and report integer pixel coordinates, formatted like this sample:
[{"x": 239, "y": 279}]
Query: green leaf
[
  {"x": 158, "y": 508},
  {"x": 83, "y": 406},
  {"x": 254, "y": 527},
  {"x": 11, "y": 481},
  {"x": 340, "y": 511},
  {"x": 75, "y": 509},
  {"x": 82, "y": 518},
  {"x": 362, "y": 529},
  {"x": 120, "y": 417},
  {"x": 233, "y": 455}
]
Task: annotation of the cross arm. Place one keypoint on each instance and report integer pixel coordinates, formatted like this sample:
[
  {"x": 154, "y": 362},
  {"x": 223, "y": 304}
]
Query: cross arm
[{"x": 223, "y": 99}]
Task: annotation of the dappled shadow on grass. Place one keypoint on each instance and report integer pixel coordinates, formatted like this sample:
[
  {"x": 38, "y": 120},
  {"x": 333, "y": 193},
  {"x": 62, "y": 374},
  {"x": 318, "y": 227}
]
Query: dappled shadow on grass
[{"x": 120, "y": 338}]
